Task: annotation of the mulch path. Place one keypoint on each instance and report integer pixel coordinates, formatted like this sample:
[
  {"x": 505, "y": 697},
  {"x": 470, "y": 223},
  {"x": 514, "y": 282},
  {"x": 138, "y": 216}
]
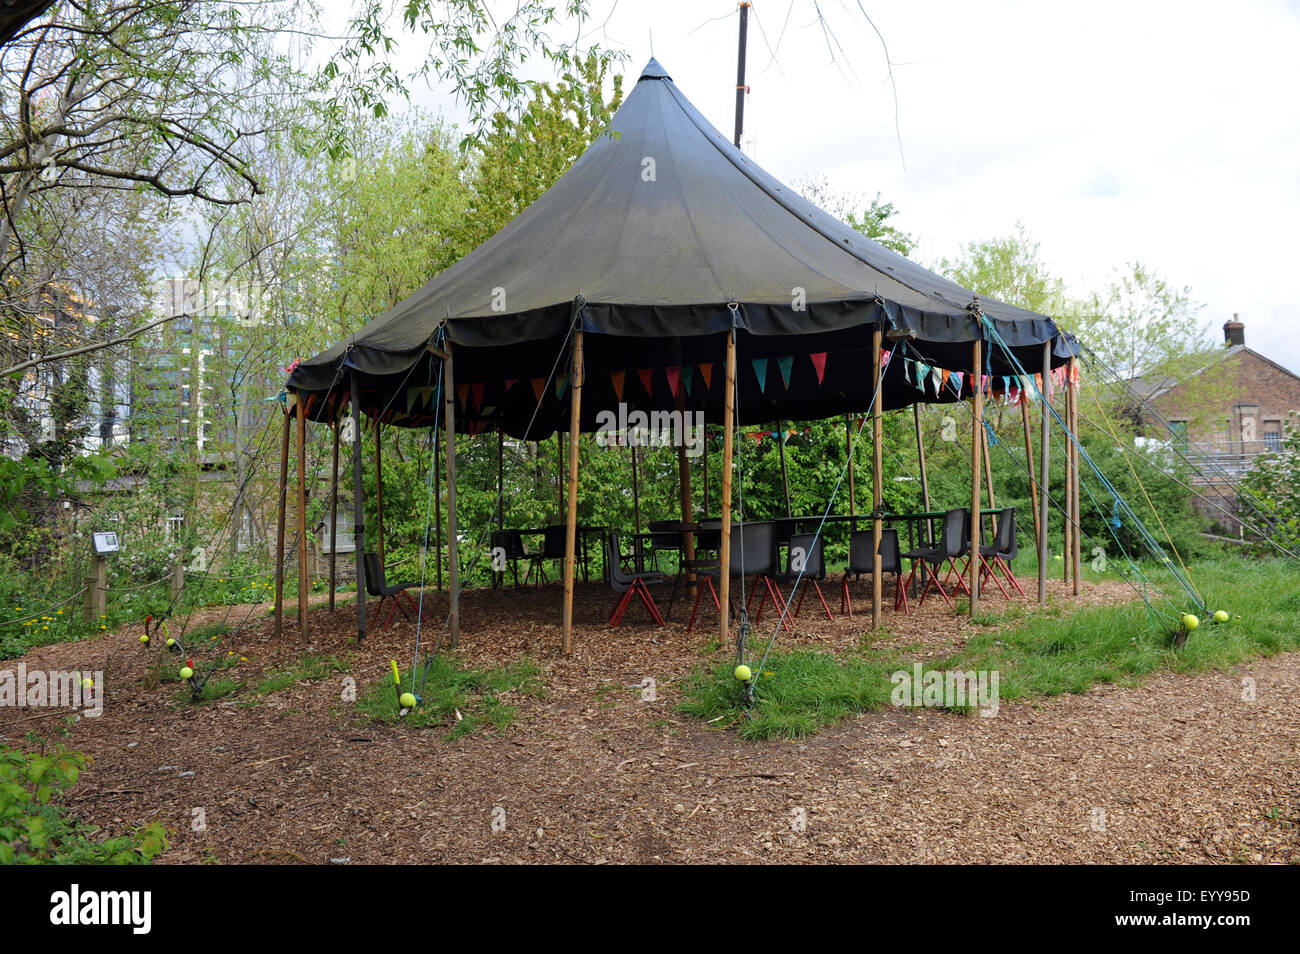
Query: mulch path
[{"x": 1180, "y": 769}]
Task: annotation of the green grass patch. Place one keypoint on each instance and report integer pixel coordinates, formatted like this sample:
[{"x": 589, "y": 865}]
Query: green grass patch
[
  {"x": 307, "y": 669},
  {"x": 1037, "y": 652},
  {"x": 450, "y": 688}
]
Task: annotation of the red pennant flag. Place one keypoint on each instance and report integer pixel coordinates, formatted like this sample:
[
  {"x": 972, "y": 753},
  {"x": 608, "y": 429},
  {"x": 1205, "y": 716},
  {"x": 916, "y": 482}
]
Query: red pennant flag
[
  {"x": 819, "y": 363},
  {"x": 539, "y": 385},
  {"x": 645, "y": 374},
  {"x": 463, "y": 391},
  {"x": 511, "y": 382},
  {"x": 706, "y": 372},
  {"x": 674, "y": 379},
  {"x": 476, "y": 389},
  {"x": 616, "y": 379}
]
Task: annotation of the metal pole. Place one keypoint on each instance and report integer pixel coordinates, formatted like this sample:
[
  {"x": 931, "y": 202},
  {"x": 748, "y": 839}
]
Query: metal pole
[{"x": 740, "y": 72}]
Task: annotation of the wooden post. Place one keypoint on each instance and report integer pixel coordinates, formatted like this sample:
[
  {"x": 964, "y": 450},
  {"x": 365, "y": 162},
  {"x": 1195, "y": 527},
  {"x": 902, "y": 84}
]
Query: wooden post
[
  {"x": 279, "y": 526},
  {"x": 877, "y": 468},
  {"x": 437, "y": 513},
  {"x": 1029, "y": 463},
  {"x": 1045, "y": 457},
  {"x": 848, "y": 452},
  {"x": 379, "y": 492},
  {"x": 925, "y": 478},
  {"x": 95, "y": 603},
  {"x": 453, "y": 563},
  {"x": 358, "y": 507},
  {"x": 785, "y": 482},
  {"x": 334, "y": 512},
  {"x": 1074, "y": 447},
  {"x": 728, "y": 448},
  {"x": 1068, "y": 544},
  {"x": 571, "y": 512},
  {"x": 302, "y": 517},
  {"x": 976, "y": 443}
]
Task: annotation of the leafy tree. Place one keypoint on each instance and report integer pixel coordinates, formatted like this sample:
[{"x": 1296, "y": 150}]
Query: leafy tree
[
  {"x": 871, "y": 219},
  {"x": 1010, "y": 269}
]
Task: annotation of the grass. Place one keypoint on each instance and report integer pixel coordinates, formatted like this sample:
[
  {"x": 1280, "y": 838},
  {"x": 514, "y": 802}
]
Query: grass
[
  {"x": 450, "y": 690},
  {"x": 307, "y": 669},
  {"x": 1037, "y": 653}
]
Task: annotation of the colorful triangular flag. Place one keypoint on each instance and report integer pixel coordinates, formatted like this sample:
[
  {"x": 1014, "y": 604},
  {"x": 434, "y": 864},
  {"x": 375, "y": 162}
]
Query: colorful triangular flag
[
  {"x": 785, "y": 364},
  {"x": 674, "y": 379},
  {"x": 819, "y": 364},
  {"x": 647, "y": 379},
  {"x": 760, "y": 372},
  {"x": 616, "y": 379}
]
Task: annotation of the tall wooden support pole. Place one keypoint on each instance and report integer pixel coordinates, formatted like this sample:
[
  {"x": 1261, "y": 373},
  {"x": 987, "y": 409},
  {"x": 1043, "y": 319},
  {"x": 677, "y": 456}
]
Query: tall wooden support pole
[
  {"x": 1029, "y": 464},
  {"x": 1074, "y": 429},
  {"x": 302, "y": 519},
  {"x": 571, "y": 511},
  {"x": 358, "y": 508},
  {"x": 728, "y": 448},
  {"x": 334, "y": 511},
  {"x": 379, "y": 492},
  {"x": 453, "y": 560},
  {"x": 1045, "y": 458},
  {"x": 925, "y": 474},
  {"x": 279, "y": 527},
  {"x": 877, "y": 468},
  {"x": 437, "y": 514},
  {"x": 1068, "y": 543},
  {"x": 976, "y": 444},
  {"x": 848, "y": 453},
  {"x": 785, "y": 479}
]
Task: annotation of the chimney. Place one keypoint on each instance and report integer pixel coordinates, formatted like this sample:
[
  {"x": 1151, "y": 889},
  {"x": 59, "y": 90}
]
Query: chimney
[{"x": 1234, "y": 332}]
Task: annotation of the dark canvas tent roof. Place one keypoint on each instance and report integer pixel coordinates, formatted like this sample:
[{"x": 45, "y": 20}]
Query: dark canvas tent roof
[{"x": 658, "y": 239}]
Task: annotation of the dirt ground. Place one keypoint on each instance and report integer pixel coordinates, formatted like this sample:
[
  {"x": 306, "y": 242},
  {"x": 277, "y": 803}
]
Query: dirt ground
[{"x": 1181, "y": 769}]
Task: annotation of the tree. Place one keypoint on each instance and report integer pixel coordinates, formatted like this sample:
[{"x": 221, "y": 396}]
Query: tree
[
  {"x": 871, "y": 219},
  {"x": 1010, "y": 269}
]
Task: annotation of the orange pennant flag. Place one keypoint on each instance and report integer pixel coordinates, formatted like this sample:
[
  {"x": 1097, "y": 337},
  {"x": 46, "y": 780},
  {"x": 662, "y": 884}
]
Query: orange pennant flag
[
  {"x": 706, "y": 372},
  {"x": 539, "y": 385},
  {"x": 616, "y": 378}
]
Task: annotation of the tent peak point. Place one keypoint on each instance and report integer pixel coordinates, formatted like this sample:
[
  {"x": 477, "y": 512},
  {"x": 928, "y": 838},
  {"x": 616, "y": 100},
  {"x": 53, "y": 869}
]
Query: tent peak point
[{"x": 653, "y": 70}]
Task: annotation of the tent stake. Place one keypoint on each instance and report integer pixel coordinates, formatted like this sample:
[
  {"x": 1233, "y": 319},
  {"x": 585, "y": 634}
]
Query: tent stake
[
  {"x": 302, "y": 519},
  {"x": 877, "y": 466},
  {"x": 728, "y": 447},
  {"x": 453, "y": 563},
  {"x": 358, "y": 508},
  {"x": 334, "y": 511},
  {"x": 571, "y": 513},
  {"x": 1045, "y": 457},
  {"x": 977, "y": 425},
  {"x": 279, "y": 527}
]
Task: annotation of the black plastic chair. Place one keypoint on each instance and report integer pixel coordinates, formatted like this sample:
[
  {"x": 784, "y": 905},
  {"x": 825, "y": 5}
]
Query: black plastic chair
[
  {"x": 753, "y": 555},
  {"x": 628, "y": 582},
  {"x": 930, "y": 559},
  {"x": 511, "y": 544},
  {"x": 554, "y": 547},
  {"x": 806, "y": 549},
  {"x": 1000, "y": 553},
  {"x": 862, "y": 561},
  {"x": 376, "y": 585}
]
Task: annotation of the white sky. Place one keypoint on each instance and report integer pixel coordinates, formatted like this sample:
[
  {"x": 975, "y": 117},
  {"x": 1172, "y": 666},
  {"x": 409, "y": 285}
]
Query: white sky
[{"x": 1166, "y": 133}]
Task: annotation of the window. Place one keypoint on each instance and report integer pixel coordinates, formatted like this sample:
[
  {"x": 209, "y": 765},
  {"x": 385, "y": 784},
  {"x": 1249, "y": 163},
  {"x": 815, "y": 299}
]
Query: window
[
  {"x": 1179, "y": 431},
  {"x": 1273, "y": 436}
]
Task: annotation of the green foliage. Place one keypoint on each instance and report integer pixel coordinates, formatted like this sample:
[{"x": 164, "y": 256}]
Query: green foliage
[
  {"x": 464, "y": 700},
  {"x": 1010, "y": 269},
  {"x": 34, "y": 828},
  {"x": 1273, "y": 486},
  {"x": 871, "y": 218}
]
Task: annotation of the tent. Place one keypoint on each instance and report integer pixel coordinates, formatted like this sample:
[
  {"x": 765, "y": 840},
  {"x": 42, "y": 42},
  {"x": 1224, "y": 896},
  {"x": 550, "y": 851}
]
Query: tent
[{"x": 662, "y": 256}]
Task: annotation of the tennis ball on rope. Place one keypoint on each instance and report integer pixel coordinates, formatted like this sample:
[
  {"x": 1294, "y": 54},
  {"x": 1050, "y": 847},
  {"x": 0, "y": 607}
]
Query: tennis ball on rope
[
  {"x": 1220, "y": 616},
  {"x": 743, "y": 673},
  {"x": 187, "y": 672},
  {"x": 87, "y": 683},
  {"x": 144, "y": 639},
  {"x": 171, "y": 643},
  {"x": 407, "y": 700},
  {"x": 1190, "y": 621}
]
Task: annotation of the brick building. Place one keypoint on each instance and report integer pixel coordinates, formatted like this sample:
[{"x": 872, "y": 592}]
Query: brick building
[{"x": 1224, "y": 415}]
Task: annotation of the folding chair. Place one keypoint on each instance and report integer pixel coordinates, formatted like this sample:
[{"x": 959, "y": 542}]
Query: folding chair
[
  {"x": 929, "y": 559},
  {"x": 862, "y": 561},
  {"x": 627, "y": 582},
  {"x": 376, "y": 586}
]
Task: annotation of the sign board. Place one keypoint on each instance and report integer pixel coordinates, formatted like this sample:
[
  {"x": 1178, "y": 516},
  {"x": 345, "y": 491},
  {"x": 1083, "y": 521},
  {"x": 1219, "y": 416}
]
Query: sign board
[{"x": 106, "y": 542}]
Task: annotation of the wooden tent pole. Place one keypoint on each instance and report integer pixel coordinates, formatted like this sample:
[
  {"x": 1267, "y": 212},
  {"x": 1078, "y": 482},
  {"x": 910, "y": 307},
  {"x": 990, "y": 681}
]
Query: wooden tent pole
[
  {"x": 302, "y": 519},
  {"x": 358, "y": 508},
  {"x": 877, "y": 467},
  {"x": 571, "y": 512},
  {"x": 977, "y": 426},
  {"x": 1074, "y": 428},
  {"x": 1045, "y": 459},
  {"x": 785, "y": 480},
  {"x": 925, "y": 478},
  {"x": 1068, "y": 545},
  {"x": 1029, "y": 462},
  {"x": 453, "y": 563},
  {"x": 379, "y": 492},
  {"x": 279, "y": 526},
  {"x": 334, "y": 511},
  {"x": 437, "y": 513},
  {"x": 728, "y": 448},
  {"x": 848, "y": 453}
]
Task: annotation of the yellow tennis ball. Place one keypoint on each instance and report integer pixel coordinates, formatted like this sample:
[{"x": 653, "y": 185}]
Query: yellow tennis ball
[
  {"x": 1220, "y": 616},
  {"x": 407, "y": 700},
  {"x": 170, "y": 642},
  {"x": 87, "y": 684},
  {"x": 144, "y": 638},
  {"x": 743, "y": 673},
  {"x": 1190, "y": 622},
  {"x": 186, "y": 672}
]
